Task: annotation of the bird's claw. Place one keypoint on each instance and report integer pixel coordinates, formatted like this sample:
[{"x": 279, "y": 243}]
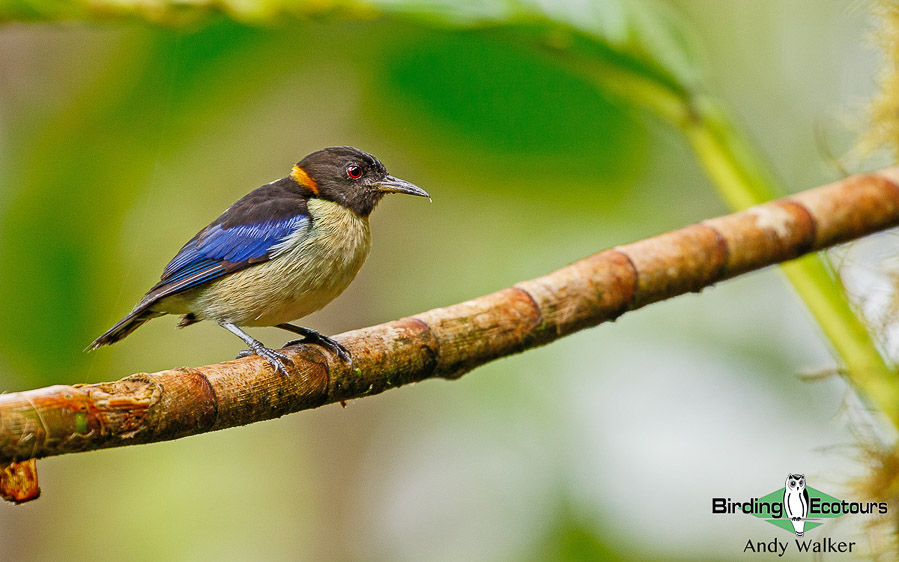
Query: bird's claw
[
  {"x": 319, "y": 339},
  {"x": 277, "y": 360}
]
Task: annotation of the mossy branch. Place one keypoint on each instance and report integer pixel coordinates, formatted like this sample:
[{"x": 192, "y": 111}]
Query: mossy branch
[{"x": 444, "y": 342}]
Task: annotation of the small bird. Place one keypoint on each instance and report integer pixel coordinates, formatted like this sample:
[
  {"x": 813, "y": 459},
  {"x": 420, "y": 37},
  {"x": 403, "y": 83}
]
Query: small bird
[{"x": 279, "y": 253}]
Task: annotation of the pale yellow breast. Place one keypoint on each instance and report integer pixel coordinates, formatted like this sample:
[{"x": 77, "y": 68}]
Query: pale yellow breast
[{"x": 307, "y": 270}]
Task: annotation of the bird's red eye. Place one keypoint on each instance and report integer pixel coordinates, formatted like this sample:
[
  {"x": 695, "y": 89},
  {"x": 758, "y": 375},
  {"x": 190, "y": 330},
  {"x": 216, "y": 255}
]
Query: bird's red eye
[{"x": 354, "y": 172}]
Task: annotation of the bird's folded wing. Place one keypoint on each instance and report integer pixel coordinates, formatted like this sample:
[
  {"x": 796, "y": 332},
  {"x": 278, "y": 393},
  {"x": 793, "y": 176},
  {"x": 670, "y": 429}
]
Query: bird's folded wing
[{"x": 223, "y": 248}]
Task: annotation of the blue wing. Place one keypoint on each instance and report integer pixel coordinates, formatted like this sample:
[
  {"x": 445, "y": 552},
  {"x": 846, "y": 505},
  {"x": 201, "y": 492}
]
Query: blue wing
[{"x": 218, "y": 250}]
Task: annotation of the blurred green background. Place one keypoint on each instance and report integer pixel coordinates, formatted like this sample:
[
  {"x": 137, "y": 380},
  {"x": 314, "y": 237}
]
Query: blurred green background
[{"x": 119, "y": 139}]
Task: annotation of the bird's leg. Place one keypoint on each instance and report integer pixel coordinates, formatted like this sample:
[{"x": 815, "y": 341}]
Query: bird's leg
[
  {"x": 313, "y": 337},
  {"x": 276, "y": 359}
]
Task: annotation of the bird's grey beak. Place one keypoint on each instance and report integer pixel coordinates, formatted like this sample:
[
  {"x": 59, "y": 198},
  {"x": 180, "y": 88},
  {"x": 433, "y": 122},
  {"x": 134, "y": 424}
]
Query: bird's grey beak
[{"x": 391, "y": 184}]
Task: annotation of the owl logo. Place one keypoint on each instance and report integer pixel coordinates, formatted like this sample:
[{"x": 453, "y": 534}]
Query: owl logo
[{"x": 796, "y": 501}]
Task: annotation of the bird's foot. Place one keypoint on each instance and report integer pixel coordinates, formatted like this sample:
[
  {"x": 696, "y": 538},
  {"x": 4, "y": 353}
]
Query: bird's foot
[
  {"x": 277, "y": 360},
  {"x": 313, "y": 337}
]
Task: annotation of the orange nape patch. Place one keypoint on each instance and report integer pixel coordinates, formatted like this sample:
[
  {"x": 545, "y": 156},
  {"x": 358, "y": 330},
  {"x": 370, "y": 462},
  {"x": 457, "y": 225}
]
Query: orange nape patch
[{"x": 300, "y": 176}]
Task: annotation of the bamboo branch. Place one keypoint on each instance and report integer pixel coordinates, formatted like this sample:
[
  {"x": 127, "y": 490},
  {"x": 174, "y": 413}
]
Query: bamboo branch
[{"x": 445, "y": 342}]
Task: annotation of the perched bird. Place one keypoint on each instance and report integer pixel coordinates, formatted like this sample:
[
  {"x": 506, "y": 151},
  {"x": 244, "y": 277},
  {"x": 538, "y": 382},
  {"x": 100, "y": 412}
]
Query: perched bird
[{"x": 279, "y": 253}]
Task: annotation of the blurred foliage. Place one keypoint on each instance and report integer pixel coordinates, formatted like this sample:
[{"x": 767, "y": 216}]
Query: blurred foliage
[
  {"x": 464, "y": 82},
  {"x": 470, "y": 82},
  {"x": 882, "y": 128},
  {"x": 644, "y": 35},
  {"x": 574, "y": 541},
  {"x": 62, "y": 178}
]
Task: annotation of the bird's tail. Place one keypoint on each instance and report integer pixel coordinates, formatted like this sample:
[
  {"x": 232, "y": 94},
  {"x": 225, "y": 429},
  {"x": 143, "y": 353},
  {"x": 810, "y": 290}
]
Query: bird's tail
[{"x": 125, "y": 326}]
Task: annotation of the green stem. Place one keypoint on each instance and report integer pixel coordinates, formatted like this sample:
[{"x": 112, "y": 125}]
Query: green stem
[
  {"x": 736, "y": 171},
  {"x": 733, "y": 169}
]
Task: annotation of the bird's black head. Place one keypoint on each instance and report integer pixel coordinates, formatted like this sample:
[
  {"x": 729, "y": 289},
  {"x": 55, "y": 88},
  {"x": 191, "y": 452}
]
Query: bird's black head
[{"x": 349, "y": 176}]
